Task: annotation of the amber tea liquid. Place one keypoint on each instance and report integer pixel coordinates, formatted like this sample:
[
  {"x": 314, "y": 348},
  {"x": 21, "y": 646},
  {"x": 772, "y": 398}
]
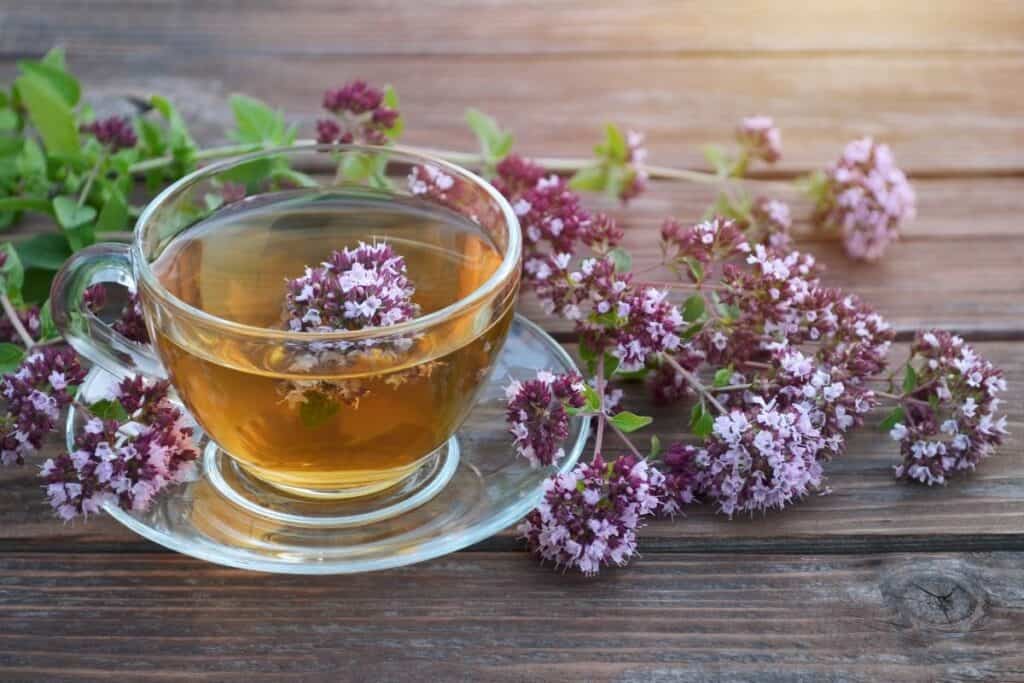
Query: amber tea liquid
[{"x": 354, "y": 428}]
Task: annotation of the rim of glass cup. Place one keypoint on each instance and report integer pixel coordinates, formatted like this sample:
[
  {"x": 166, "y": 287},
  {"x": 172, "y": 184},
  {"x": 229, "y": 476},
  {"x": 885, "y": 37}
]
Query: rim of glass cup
[{"x": 509, "y": 263}]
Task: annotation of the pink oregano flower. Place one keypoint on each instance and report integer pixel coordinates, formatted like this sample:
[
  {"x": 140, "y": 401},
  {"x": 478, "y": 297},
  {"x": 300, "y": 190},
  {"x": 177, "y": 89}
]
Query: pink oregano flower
[
  {"x": 126, "y": 461},
  {"x": 538, "y": 417},
  {"x": 588, "y": 517},
  {"x": 866, "y": 198}
]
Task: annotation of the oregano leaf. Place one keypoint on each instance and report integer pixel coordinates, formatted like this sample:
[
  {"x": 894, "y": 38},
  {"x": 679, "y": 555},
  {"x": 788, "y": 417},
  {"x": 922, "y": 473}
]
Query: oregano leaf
[{"x": 630, "y": 422}]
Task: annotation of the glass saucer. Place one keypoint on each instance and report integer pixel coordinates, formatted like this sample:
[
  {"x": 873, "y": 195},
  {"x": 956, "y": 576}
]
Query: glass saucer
[{"x": 472, "y": 488}]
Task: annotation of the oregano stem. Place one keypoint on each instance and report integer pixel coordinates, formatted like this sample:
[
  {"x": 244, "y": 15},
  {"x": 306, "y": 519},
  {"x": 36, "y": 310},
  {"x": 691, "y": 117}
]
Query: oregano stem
[
  {"x": 90, "y": 179},
  {"x": 601, "y": 418},
  {"x": 693, "y": 382},
  {"x": 12, "y": 315},
  {"x": 202, "y": 155},
  {"x": 625, "y": 440}
]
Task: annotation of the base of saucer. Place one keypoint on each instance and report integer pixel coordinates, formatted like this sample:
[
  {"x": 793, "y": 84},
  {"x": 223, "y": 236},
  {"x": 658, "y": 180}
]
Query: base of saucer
[
  {"x": 474, "y": 487},
  {"x": 272, "y": 502}
]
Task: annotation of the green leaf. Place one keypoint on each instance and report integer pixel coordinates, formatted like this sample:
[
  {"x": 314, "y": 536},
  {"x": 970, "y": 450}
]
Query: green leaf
[
  {"x": 897, "y": 416},
  {"x": 8, "y": 120},
  {"x": 630, "y": 422},
  {"x": 179, "y": 140},
  {"x": 695, "y": 412},
  {"x": 70, "y": 215},
  {"x": 614, "y": 147},
  {"x": 704, "y": 425},
  {"x": 32, "y": 162},
  {"x": 50, "y": 114},
  {"x": 12, "y": 273},
  {"x": 26, "y": 204},
  {"x": 814, "y": 186},
  {"x": 47, "y": 328},
  {"x": 391, "y": 102},
  {"x": 593, "y": 400},
  {"x": 257, "y": 123},
  {"x": 696, "y": 268},
  {"x": 693, "y": 308},
  {"x": 909, "y": 379},
  {"x": 60, "y": 80},
  {"x": 356, "y": 167},
  {"x": 589, "y": 356},
  {"x": 11, "y": 356},
  {"x": 655, "y": 447},
  {"x": 693, "y": 330},
  {"x": 114, "y": 214},
  {"x": 611, "y": 364},
  {"x": 722, "y": 377},
  {"x": 46, "y": 250},
  {"x": 56, "y": 58},
  {"x": 317, "y": 409},
  {"x": 37, "y": 285},
  {"x": 494, "y": 142},
  {"x": 590, "y": 179},
  {"x": 109, "y": 409},
  {"x": 717, "y": 158},
  {"x": 623, "y": 259}
]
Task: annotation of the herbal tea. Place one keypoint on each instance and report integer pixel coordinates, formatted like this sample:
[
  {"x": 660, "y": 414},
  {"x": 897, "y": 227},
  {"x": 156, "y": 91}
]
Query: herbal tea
[{"x": 327, "y": 419}]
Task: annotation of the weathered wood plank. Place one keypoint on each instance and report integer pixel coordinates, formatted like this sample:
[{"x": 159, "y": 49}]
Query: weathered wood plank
[
  {"x": 867, "y": 509},
  {"x": 314, "y": 27},
  {"x": 668, "y": 617},
  {"x": 941, "y": 113}
]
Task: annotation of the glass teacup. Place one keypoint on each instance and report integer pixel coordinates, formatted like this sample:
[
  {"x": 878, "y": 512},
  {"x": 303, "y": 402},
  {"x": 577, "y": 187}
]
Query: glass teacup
[{"x": 319, "y": 414}]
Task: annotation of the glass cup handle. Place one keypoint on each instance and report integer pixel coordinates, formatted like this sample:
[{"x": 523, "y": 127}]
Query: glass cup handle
[{"x": 88, "y": 335}]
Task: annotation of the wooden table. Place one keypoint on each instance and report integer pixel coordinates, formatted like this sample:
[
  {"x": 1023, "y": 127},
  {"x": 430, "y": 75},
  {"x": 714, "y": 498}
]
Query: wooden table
[{"x": 878, "y": 581}]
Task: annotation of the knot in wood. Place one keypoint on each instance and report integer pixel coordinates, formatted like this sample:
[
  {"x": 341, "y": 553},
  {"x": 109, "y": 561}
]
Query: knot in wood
[{"x": 930, "y": 600}]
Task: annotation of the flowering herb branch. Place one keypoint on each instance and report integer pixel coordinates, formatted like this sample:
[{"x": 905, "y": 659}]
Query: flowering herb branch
[{"x": 777, "y": 367}]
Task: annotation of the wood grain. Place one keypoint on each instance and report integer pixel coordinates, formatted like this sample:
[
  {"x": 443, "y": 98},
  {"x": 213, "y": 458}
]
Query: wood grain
[
  {"x": 171, "y": 28},
  {"x": 942, "y": 114},
  {"x": 483, "y": 616},
  {"x": 876, "y": 581}
]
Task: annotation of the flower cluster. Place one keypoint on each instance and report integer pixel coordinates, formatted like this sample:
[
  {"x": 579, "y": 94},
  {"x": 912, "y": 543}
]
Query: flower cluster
[
  {"x": 950, "y": 422},
  {"x": 611, "y": 314},
  {"x": 124, "y": 461},
  {"x": 760, "y": 138},
  {"x": 29, "y": 318},
  {"x": 774, "y": 222},
  {"x": 114, "y": 132},
  {"x": 866, "y": 198},
  {"x": 588, "y": 517},
  {"x": 35, "y": 395},
  {"x": 131, "y": 322},
  {"x": 352, "y": 290},
  {"x": 681, "y": 483},
  {"x": 538, "y": 417},
  {"x": 361, "y": 115},
  {"x": 691, "y": 249},
  {"x": 761, "y": 458},
  {"x": 636, "y": 156}
]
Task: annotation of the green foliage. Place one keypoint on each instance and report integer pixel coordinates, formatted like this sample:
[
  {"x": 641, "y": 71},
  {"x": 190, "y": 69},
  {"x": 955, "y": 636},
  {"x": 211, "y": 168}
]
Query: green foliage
[
  {"x": 693, "y": 308},
  {"x": 495, "y": 143},
  {"x": 109, "y": 409},
  {"x": 611, "y": 172},
  {"x": 701, "y": 421},
  {"x": 722, "y": 377},
  {"x": 12, "y": 273},
  {"x": 257, "y": 123},
  {"x": 909, "y": 379},
  {"x": 317, "y": 409},
  {"x": 897, "y": 415},
  {"x": 630, "y": 422},
  {"x": 11, "y": 356}
]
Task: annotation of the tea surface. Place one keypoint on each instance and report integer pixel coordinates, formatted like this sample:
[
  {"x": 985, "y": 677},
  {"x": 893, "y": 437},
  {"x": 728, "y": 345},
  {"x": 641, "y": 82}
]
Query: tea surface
[{"x": 342, "y": 430}]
